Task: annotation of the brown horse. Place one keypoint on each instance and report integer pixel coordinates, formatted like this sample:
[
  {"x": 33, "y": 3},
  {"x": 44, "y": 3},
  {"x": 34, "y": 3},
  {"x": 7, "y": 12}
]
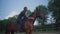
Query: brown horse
[{"x": 28, "y": 24}]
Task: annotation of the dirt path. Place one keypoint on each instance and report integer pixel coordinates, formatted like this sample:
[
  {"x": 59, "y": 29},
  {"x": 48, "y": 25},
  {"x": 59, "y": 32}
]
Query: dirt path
[
  {"x": 39, "y": 33},
  {"x": 43, "y": 33}
]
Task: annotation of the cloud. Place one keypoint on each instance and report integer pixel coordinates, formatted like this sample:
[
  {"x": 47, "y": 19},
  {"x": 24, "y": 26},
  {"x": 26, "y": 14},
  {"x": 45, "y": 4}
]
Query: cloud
[{"x": 11, "y": 14}]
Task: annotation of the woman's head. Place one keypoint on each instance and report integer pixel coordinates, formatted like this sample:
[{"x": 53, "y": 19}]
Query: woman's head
[{"x": 25, "y": 9}]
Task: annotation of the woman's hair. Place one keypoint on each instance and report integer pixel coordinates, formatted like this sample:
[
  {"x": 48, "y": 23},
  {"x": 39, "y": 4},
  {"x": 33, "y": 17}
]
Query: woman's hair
[{"x": 25, "y": 7}]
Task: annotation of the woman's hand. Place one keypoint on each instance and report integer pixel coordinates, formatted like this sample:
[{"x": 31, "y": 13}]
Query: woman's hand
[{"x": 30, "y": 18}]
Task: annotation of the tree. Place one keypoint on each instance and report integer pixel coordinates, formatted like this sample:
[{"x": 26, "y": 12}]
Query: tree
[
  {"x": 54, "y": 6},
  {"x": 3, "y": 24},
  {"x": 28, "y": 13}
]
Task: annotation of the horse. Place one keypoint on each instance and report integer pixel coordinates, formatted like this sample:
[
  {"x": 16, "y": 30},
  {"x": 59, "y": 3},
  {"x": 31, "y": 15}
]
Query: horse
[{"x": 27, "y": 26}]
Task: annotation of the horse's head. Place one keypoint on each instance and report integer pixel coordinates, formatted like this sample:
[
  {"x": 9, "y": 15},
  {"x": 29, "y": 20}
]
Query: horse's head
[
  {"x": 37, "y": 13},
  {"x": 40, "y": 14}
]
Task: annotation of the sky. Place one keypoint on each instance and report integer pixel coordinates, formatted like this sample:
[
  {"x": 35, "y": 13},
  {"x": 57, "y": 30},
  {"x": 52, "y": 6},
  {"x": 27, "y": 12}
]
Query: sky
[{"x": 9, "y": 8}]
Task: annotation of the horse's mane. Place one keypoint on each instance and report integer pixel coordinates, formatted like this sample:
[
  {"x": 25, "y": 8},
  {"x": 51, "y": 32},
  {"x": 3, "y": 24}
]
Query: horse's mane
[{"x": 31, "y": 14}]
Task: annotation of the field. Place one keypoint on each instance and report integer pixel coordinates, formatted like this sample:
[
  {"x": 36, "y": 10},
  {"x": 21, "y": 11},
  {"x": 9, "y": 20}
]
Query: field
[{"x": 39, "y": 33}]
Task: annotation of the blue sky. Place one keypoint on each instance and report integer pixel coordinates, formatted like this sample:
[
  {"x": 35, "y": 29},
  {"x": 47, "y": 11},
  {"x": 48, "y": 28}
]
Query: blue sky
[{"x": 9, "y": 8}]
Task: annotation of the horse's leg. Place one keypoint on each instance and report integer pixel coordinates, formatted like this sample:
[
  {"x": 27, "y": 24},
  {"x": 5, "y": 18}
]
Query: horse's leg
[
  {"x": 31, "y": 28},
  {"x": 28, "y": 28},
  {"x": 12, "y": 32},
  {"x": 28, "y": 32},
  {"x": 7, "y": 32}
]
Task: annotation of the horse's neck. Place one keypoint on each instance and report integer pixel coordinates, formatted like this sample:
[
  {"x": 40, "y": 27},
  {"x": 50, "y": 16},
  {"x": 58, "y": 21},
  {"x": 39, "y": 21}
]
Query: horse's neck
[{"x": 33, "y": 16}]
